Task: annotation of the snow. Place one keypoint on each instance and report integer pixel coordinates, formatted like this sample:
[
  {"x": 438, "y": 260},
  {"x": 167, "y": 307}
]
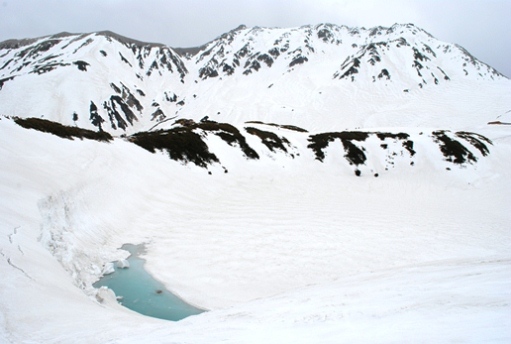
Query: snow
[
  {"x": 108, "y": 269},
  {"x": 306, "y": 95},
  {"x": 279, "y": 250},
  {"x": 285, "y": 249},
  {"x": 123, "y": 264}
]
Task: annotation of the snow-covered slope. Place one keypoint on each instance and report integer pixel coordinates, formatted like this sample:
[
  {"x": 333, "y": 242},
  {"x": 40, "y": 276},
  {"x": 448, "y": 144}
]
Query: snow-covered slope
[
  {"x": 367, "y": 55},
  {"x": 99, "y": 80},
  {"x": 320, "y": 202},
  {"x": 320, "y": 77},
  {"x": 280, "y": 249}
]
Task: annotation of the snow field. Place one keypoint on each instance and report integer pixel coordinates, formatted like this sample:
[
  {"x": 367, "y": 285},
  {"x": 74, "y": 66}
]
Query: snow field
[{"x": 280, "y": 250}]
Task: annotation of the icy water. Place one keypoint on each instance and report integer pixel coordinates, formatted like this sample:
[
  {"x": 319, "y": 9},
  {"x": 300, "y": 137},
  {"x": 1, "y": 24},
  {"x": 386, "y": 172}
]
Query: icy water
[{"x": 140, "y": 292}]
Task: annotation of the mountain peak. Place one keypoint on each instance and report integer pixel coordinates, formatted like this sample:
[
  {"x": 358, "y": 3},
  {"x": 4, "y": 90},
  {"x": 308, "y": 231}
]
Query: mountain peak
[
  {"x": 127, "y": 40},
  {"x": 240, "y": 27}
]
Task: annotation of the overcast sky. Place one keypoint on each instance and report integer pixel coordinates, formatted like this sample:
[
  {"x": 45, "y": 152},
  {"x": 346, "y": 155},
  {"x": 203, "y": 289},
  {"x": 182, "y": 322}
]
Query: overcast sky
[{"x": 480, "y": 26}]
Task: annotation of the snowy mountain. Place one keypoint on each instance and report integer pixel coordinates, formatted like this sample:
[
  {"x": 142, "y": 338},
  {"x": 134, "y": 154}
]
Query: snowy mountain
[
  {"x": 315, "y": 184},
  {"x": 375, "y": 55},
  {"x": 96, "y": 80},
  {"x": 319, "y": 77}
]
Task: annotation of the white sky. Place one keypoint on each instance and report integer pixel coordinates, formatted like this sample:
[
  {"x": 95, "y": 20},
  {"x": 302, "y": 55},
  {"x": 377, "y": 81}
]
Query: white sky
[{"x": 480, "y": 26}]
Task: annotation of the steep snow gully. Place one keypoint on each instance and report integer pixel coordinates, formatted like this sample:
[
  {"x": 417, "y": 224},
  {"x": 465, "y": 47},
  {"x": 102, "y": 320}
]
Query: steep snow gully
[{"x": 315, "y": 184}]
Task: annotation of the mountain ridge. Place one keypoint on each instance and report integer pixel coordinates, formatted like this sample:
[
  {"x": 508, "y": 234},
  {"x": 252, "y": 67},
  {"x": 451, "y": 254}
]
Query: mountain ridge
[
  {"x": 364, "y": 152},
  {"x": 193, "y": 50},
  {"x": 105, "y": 81}
]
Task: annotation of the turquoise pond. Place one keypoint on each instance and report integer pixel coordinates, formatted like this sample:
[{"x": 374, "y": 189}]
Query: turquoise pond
[{"x": 137, "y": 290}]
